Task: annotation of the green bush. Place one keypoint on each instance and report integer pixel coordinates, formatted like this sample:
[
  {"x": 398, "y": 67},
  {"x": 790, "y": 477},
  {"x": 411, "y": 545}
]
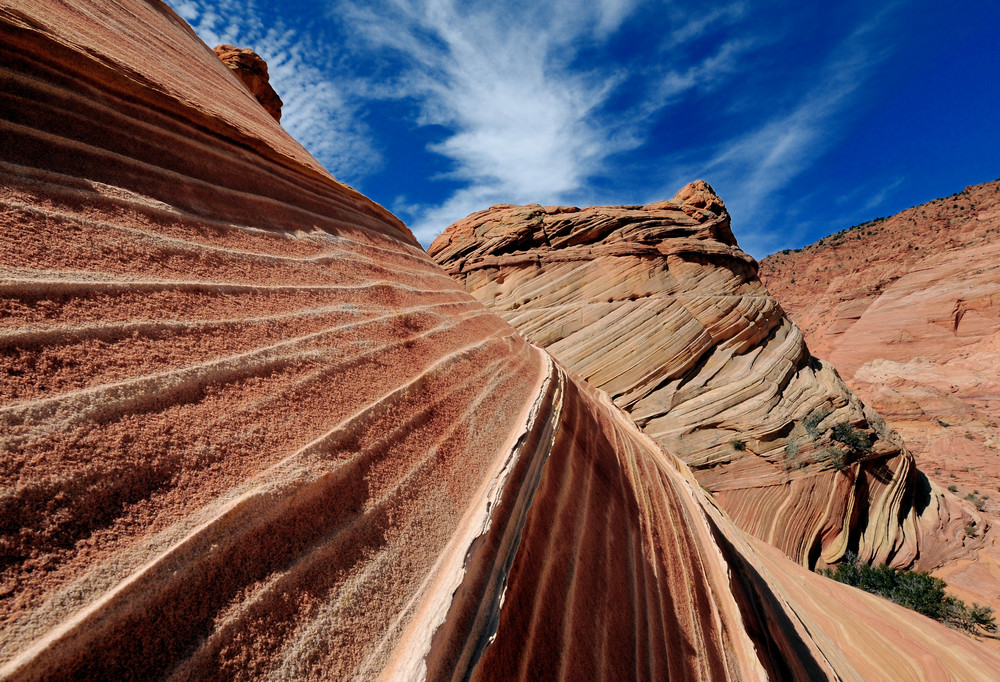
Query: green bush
[
  {"x": 915, "y": 590},
  {"x": 853, "y": 438},
  {"x": 838, "y": 458},
  {"x": 812, "y": 422},
  {"x": 977, "y": 502},
  {"x": 856, "y": 442},
  {"x": 738, "y": 445}
]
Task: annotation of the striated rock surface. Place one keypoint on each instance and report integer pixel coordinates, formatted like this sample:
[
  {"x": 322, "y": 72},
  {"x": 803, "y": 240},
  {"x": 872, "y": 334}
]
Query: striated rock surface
[
  {"x": 252, "y": 72},
  {"x": 908, "y": 310},
  {"x": 659, "y": 307},
  {"x": 249, "y": 430}
]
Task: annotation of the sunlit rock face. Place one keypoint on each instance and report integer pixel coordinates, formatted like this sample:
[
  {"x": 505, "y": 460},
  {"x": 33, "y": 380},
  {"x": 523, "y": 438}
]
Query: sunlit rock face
[
  {"x": 252, "y": 72},
  {"x": 659, "y": 307},
  {"x": 908, "y": 310},
  {"x": 248, "y": 430}
]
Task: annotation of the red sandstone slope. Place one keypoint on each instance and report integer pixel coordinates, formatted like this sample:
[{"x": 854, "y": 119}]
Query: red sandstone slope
[
  {"x": 908, "y": 310},
  {"x": 658, "y": 306},
  {"x": 248, "y": 429}
]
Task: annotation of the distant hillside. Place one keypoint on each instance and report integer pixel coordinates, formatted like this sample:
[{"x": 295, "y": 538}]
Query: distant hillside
[{"x": 907, "y": 308}]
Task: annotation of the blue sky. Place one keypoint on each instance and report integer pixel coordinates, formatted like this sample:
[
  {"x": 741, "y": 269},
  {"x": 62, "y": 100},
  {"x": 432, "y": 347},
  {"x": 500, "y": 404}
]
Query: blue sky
[{"x": 805, "y": 117}]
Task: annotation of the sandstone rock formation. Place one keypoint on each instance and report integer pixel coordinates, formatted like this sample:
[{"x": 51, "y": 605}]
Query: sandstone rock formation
[
  {"x": 252, "y": 72},
  {"x": 908, "y": 310},
  {"x": 658, "y": 306},
  {"x": 249, "y": 430}
]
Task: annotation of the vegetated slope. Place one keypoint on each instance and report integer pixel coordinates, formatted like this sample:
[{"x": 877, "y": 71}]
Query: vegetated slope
[
  {"x": 249, "y": 430},
  {"x": 658, "y": 306},
  {"x": 908, "y": 310}
]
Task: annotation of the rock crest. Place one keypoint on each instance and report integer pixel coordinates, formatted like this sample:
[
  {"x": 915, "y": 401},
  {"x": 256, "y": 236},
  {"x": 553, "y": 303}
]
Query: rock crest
[
  {"x": 251, "y": 69},
  {"x": 701, "y": 195},
  {"x": 659, "y": 307}
]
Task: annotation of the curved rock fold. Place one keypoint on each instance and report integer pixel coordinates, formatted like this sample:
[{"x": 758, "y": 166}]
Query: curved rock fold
[{"x": 658, "y": 306}]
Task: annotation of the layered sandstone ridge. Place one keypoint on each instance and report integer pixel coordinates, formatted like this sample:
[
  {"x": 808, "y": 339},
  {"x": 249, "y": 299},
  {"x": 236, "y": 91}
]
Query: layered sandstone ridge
[
  {"x": 252, "y": 72},
  {"x": 908, "y": 310},
  {"x": 659, "y": 307},
  {"x": 250, "y": 431}
]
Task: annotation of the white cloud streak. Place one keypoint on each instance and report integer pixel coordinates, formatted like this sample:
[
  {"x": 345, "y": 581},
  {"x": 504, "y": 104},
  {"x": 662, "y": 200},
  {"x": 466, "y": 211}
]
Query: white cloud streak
[
  {"x": 707, "y": 75},
  {"x": 524, "y": 126},
  {"x": 750, "y": 168},
  {"x": 501, "y": 89},
  {"x": 318, "y": 111},
  {"x": 700, "y": 22}
]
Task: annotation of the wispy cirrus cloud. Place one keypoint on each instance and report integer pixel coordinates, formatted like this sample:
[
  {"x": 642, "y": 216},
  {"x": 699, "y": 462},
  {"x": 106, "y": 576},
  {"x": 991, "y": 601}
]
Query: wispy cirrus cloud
[
  {"x": 523, "y": 124},
  {"x": 708, "y": 74},
  {"x": 749, "y": 168},
  {"x": 613, "y": 101},
  {"x": 696, "y": 24},
  {"x": 528, "y": 114},
  {"x": 322, "y": 112}
]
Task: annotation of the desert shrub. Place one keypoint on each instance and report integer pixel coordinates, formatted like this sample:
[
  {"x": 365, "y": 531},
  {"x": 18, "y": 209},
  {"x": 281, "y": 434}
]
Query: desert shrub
[
  {"x": 854, "y": 441},
  {"x": 853, "y": 438},
  {"x": 915, "y": 590},
  {"x": 738, "y": 445},
  {"x": 977, "y": 502},
  {"x": 791, "y": 451},
  {"x": 812, "y": 421},
  {"x": 971, "y": 529},
  {"x": 953, "y": 488},
  {"x": 837, "y": 458}
]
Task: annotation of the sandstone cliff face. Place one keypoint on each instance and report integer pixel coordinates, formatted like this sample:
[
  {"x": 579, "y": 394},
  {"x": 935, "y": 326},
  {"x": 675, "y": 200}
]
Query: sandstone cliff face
[
  {"x": 252, "y": 72},
  {"x": 658, "y": 306},
  {"x": 908, "y": 310},
  {"x": 249, "y": 430}
]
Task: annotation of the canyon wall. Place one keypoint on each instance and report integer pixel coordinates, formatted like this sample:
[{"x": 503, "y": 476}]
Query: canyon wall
[
  {"x": 658, "y": 306},
  {"x": 250, "y": 430},
  {"x": 908, "y": 310}
]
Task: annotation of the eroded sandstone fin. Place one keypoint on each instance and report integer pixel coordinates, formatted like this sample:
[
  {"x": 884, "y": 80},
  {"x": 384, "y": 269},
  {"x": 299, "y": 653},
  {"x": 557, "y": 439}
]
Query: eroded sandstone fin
[{"x": 658, "y": 306}]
